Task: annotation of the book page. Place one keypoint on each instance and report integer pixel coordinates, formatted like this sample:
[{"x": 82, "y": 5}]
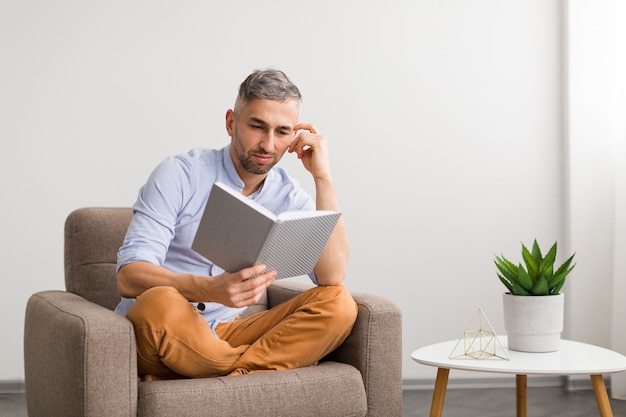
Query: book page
[
  {"x": 302, "y": 214},
  {"x": 286, "y": 215},
  {"x": 247, "y": 201}
]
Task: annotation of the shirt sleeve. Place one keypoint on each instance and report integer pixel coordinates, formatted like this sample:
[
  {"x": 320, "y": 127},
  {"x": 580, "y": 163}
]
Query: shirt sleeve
[{"x": 155, "y": 214}]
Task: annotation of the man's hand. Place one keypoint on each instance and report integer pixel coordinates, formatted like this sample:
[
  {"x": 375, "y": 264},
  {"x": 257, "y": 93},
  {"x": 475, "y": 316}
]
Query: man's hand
[
  {"x": 312, "y": 149},
  {"x": 243, "y": 288}
]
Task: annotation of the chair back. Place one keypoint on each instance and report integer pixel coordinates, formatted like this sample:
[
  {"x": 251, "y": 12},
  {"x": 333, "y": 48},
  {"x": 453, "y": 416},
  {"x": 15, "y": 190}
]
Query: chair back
[{"x": 93, "y": 236}]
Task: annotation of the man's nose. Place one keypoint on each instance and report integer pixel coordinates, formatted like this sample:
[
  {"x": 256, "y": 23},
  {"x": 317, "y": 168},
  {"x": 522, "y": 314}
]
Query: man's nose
[{"x": 268, "y": 141}]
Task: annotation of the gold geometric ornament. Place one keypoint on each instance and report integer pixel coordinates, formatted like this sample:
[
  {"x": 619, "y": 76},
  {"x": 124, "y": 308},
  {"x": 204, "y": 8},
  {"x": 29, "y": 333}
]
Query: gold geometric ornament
[{"x": 479, "y": 341}]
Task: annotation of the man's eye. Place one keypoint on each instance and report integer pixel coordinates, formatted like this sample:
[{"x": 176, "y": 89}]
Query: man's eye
[{"x": 255, "y": 126}]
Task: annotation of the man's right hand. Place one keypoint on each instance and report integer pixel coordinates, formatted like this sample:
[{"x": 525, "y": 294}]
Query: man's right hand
[{"x": 243, "y": 288}]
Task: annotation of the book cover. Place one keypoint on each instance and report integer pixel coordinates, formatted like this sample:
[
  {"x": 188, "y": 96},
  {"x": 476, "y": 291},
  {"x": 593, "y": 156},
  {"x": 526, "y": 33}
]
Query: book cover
[{"x": 236, "y": 232}]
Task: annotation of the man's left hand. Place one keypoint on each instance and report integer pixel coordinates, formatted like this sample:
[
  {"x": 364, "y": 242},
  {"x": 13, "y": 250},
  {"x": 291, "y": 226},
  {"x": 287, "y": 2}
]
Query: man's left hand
[{"x": 312, "y": 149}]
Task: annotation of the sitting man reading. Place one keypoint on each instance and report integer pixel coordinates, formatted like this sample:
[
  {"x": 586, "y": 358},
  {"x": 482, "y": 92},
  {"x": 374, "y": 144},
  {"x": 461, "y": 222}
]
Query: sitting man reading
[{"x": 185, "y": 309}]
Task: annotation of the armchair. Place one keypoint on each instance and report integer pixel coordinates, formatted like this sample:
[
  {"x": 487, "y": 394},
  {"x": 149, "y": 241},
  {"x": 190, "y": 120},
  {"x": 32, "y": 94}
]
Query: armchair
[{"x": 80, "y": 357}]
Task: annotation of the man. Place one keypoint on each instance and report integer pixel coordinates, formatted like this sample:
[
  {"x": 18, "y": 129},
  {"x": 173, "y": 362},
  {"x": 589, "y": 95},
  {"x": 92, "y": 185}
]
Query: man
[{"x": 185, "y": 310}]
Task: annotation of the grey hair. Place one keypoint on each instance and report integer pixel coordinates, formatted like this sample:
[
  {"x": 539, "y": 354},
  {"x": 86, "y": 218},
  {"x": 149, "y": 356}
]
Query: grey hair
[{"x": 267, "y": 84}]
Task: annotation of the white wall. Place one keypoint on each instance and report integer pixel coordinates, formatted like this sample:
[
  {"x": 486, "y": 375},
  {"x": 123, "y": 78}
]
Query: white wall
[
  {"x": 596, "y": 60},
  {"x": 593, "y": 134},
  {"x": 445, "y": 118}
]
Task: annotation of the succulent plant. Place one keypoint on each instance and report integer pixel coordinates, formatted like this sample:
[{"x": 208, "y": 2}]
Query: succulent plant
[{"x": 538, "y": 277}]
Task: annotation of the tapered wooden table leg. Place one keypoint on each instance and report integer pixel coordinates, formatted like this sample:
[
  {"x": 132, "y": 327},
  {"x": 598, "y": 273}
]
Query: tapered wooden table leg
[
  {"x": 521, "y": 397},
  {"x": 601, "y": 396},
  {"x": 439, "y": 395}
]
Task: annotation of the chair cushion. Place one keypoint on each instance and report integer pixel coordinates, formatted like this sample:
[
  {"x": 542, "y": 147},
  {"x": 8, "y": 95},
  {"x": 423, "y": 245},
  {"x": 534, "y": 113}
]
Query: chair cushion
[{"x": 328, "y": 389}]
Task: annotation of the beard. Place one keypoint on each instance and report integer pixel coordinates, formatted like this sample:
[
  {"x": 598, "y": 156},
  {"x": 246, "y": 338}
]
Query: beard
[
  {"x": 248, "y": 162},
  {"x": 250, "y": 165}
]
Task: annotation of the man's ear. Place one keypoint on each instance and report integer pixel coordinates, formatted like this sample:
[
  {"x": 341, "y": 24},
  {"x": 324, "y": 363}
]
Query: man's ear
[{"x": 230, "y": 122}]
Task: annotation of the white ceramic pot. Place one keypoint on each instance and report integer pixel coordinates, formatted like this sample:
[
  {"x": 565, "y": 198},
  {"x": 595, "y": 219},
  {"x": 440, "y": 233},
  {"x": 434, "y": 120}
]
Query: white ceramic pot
[{"x": 533, "y": 323}]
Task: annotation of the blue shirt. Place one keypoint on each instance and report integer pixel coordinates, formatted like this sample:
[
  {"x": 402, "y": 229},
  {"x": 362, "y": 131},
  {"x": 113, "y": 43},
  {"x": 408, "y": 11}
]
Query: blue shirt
[{"x": 169, "y": 208}]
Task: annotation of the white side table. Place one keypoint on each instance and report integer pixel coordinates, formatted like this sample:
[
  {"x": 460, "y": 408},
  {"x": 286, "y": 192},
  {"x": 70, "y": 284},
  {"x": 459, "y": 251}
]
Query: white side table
[{"x": 573, "y": 358}]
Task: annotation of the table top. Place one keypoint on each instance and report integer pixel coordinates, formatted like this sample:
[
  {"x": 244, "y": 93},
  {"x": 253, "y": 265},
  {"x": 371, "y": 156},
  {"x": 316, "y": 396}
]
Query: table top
[{"x": 571, "y": 358}]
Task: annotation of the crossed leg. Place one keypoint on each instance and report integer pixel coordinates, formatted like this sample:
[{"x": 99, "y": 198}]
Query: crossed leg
[{"x": 174, "y": 340}]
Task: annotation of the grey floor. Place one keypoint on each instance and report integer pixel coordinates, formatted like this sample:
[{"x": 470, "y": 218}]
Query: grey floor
[{"x": 500, "y": 402}]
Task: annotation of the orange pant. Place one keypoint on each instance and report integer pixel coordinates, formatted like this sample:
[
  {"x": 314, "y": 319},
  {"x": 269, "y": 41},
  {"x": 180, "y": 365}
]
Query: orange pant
[{"x": 174, "y": 340}]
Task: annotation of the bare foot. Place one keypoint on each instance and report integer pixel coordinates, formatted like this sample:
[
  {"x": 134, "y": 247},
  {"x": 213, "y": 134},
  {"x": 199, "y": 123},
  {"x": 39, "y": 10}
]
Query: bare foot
[
  {"x": 148, "y": 377},
  {"x": 238, "y": 371}
]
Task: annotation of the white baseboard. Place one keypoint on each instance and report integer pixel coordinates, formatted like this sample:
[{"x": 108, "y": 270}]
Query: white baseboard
[
  {"x": 12, "y": 387},
  {"x": 507, "y": 381},
  {"x": 571, "y": 383}
]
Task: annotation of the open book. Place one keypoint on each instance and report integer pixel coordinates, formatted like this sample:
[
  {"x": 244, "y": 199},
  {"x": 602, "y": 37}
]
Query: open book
[{"x": 236, "y": 232}]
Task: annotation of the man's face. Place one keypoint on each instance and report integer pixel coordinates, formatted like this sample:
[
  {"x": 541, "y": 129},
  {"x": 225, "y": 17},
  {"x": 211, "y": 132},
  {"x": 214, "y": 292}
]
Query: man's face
[{"x": 261, "y": 132}]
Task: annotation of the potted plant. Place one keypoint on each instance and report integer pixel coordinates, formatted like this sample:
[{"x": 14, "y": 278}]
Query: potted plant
[{"x": 533, "y": 304}]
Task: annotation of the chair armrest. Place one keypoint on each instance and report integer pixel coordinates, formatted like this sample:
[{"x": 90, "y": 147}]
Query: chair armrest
[
  {"x": 374, "y": 347},
  {"x": 79, "y": 358},
  {"x": 283, "y": 290}
]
